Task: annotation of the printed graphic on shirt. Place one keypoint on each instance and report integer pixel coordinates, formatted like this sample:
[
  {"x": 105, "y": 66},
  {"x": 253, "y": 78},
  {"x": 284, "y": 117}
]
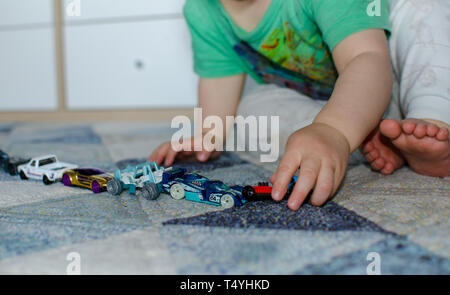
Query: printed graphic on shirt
[
  {"x": 286, "y": 47},
  {"x": 270, "y": 72},
  {"x": 288, "y": 60}
]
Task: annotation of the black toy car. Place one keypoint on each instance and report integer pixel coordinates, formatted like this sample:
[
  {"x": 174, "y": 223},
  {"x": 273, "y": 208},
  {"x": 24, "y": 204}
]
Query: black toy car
[{"x": 10, "y": 164}]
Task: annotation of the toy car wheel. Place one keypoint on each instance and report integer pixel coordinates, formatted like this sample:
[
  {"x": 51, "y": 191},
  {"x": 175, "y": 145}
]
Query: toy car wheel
[
  {"x": 66, "y": 180},
  {"x": 12, "y": 170},
  {"x": 114, "y": 187},
  {"x": 248, "y": 192},
  {"x": 150, "y": 191},
  {"x": 177, "y": 191},
  {"x": 23, "y": 176},
  {"x": 227, "y": 201},
  {"x": 95, "y": 187},
  {"x": 46, "y": 180}
]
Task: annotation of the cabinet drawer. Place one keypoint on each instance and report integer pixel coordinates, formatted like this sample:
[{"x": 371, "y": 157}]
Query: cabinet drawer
[
  {"x": 101, "y": 9},
  {"x": 130, "y": 65},
  {"x": 28, "y": 70},
  {"x": 21, "y": 12}
]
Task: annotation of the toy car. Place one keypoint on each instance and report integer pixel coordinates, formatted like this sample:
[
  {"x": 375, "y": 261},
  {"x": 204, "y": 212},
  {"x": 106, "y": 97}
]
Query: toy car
[
  {"x": 145, "y": 176},
  {"x": 197, "y": 188},
  {"x": 91, "y": 178},
  {"x": 263, "y": 191},
  {"x": 10, "y": 164},
  {"x": 46, "y": 168}
]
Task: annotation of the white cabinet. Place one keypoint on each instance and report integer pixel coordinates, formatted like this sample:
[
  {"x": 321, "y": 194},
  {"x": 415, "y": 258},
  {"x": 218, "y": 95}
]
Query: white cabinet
[
  {"x": 129, "y": 65},
  {"x": 106, "y": 9},
  {"x": 28, "y": 79},
  {"x": 27, "y": 71},
  {"x": 118, "y": 54},
  {"x": 26, "y": 12}
]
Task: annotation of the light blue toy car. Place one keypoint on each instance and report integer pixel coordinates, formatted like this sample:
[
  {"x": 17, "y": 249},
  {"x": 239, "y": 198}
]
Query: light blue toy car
[{"x": 147, "y": 177}]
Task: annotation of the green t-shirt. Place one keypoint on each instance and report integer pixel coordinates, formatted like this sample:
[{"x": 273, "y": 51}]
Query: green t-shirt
[{"x": 294, "y": 36}]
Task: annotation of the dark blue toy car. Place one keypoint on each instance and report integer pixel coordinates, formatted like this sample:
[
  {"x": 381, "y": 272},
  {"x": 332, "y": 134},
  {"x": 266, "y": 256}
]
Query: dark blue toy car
[
  {"x": 10, "y": 164},
  {"x": 197, "y": 188}
]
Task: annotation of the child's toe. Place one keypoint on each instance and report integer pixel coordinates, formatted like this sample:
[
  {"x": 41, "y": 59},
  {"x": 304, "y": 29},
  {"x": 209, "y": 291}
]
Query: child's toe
[
  {"x": 442, "y": 134},
  {"x": 408, "y": 127},
  {"x": 388, "y": 169},
  {"x": 432, "y": 130},
  {"x": 390, "y": 128},
  {"x": 368, "y": 147},
  {"x": 373, "y": 155},
  {"x": 420, "y": 131},
  {"x": 378, "y": 164}
]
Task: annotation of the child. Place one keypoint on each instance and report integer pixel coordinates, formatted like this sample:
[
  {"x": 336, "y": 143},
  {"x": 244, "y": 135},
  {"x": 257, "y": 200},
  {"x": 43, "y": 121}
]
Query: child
[{"x": 326, "y": 70}]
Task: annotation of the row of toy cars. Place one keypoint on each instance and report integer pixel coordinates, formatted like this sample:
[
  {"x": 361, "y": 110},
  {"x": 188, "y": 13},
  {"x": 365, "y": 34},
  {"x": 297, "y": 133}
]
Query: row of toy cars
[
  {"x": 179, "y": 184},
  {"x": 46, "y": 168},
  {"x": 147, "y": 180},
  {"x": 49, "y": 169},
  {"x": 153, "y": 180}
]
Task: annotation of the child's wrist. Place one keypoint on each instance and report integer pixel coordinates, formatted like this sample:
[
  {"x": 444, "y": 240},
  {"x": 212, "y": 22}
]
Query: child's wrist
[{"x": 341, "y": 134}]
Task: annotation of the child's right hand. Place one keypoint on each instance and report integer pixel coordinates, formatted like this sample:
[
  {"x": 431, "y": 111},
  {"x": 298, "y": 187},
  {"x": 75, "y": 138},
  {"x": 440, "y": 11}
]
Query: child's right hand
[{"x": 167, "y": 155}]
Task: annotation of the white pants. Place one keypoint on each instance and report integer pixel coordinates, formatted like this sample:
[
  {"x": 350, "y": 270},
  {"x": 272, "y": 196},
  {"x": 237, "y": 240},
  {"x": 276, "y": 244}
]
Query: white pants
[{"x": 420, "y": 50}]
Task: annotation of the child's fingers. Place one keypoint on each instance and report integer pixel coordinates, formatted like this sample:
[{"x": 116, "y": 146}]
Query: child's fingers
[
  {"x": 153, "y": 155},
  {"x": 170, "y": 157},
  {"x": 309, "y": 170},
  {"x": 203, "y": 156},
  {"x": 286, "y": 169},
  {"x": 339, "y": 174},
  {"x": 159, "y": 158},
  {"x": 273, "y": 178},
  {"x": 324, "y": 186},
  {"x": 159, "y": 154},
  {"x": 187, "y": 153}
]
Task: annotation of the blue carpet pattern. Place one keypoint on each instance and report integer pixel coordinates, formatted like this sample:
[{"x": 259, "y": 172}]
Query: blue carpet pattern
[
  {"x": 268, "y": 214},
  {"x": 404, "y": 218}
]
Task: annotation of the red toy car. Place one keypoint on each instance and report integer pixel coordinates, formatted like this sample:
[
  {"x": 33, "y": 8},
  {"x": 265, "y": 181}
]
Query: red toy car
[{"x": 263, "y": 191}]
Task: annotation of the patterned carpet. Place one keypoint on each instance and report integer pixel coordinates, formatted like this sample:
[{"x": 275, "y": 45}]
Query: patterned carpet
[{"x": 403, "y": 217}]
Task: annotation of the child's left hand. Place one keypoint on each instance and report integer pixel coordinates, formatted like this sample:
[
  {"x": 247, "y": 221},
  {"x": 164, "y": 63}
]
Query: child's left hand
[{"x": 322, "y": 154}]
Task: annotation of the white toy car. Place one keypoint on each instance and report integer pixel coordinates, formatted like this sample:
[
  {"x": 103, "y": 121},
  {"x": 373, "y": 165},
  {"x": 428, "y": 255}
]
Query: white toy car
[{"x": 46, "y": 168}]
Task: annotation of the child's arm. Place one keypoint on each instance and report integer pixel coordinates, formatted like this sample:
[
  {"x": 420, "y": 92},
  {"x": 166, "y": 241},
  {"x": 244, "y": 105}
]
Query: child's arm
[
  {"x": 218, "y": 97},
  {"x": 360, "y": 98},
  {"x": 364, "y": 86}
]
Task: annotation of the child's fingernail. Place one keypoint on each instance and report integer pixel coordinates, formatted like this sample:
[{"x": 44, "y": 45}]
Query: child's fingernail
[
  {"x": 276, "y": 195},
  {"x": 293, "y": 204}
]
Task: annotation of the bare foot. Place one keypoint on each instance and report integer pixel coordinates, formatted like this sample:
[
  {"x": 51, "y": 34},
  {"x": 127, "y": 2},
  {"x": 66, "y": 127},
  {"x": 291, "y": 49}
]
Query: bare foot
[
  {"x": 381, "y": 153},
  {"x": 424, "y": 144}
]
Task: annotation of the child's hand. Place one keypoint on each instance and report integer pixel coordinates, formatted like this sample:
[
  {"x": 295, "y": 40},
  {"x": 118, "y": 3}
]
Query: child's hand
[
  {"x": 322, "y": 154},
  {"x": 166, "y": 154}
]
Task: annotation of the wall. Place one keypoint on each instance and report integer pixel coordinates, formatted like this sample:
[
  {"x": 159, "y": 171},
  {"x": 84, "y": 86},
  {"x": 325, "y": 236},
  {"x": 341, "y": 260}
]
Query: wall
[{"x": 130, "y": 60}]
